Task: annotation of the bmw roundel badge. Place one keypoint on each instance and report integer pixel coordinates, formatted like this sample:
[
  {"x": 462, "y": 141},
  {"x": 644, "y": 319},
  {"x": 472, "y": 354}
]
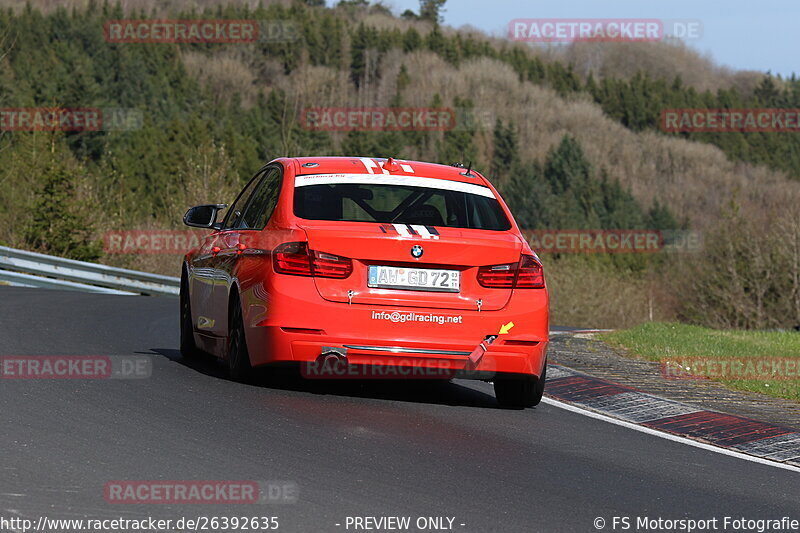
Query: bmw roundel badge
[{"x": 417, "y": 251}]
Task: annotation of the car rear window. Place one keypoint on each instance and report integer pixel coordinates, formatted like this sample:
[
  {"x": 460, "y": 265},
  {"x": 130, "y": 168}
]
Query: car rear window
[{"x": 401, "y": 204}]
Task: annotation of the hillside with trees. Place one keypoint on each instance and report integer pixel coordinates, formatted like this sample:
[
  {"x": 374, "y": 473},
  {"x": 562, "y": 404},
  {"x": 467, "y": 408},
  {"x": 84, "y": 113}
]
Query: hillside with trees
[{"x": 571, "y": 143}]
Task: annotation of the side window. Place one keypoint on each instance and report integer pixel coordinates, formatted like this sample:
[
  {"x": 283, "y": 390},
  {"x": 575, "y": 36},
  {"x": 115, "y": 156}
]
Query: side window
[
  {"x": 234, "y": 213},
  {"x": 263, "y": 202}
]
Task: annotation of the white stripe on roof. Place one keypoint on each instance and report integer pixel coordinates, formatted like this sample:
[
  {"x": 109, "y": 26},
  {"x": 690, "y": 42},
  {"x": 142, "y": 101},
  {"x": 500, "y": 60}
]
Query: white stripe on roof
[
  {"x": 369, "y": 164},
  {"x": 423, "y": 232},
  {"x": 383, "y": 179},
  {"x": 402, "y": 230}
]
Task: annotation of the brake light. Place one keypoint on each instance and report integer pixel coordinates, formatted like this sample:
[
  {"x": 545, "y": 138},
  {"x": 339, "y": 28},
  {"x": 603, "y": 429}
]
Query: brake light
[
  {"x": 295, "y": 258},
  {"x": 530, "y": 274},
  {"x": 497, "y": 276},
  {"x": 525, "y": 274},
  {"x": 292, "y": 258},
  {"x": 330, "y": 266}
]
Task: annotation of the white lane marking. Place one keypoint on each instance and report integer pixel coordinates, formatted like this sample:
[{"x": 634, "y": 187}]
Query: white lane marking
[
  {"x": 378, "y": 179},
  {"x": 369, "y": 164},
  {"x": 402, "y": 230},
  {"x": 668, "y": 436},
  {"x": 423, "y": 232},
  {"x": 407, "y": 168}
]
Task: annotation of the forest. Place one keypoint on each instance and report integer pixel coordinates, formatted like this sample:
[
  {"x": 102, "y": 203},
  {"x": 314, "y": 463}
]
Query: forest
[{"x": 569, "y": 147}]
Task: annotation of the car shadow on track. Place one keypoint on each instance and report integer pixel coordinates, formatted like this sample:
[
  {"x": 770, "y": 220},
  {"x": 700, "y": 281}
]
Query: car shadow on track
[{"x": 431, "y": 391}]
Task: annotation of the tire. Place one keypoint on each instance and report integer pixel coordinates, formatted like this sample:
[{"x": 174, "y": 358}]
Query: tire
[
  {"x": 239, "y": 367},
  {"x": 520, "y": 392},
  {"x": 189, "y": 349}
]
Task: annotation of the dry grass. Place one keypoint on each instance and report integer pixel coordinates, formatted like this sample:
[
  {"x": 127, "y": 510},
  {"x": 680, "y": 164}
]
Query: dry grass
[
  {"x": 317, "y": 85},
  {"x": 622, "y": 60},
  {"x": 600, "y": 296},
  {"x": 694, "y": 179},
  {"x": 159, "y": 7},
  {"x": 659, "y": 60},
  {"x": 206, "y": 177},
  {"x": 164, "y": 264},
  {"x": 384, "y": 22},
  {"x": 225, "y": 74}
]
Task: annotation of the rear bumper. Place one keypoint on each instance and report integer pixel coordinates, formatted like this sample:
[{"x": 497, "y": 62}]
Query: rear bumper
[
  {"x": 452, "y": 359},
  {"x": 299, "y": 326}
]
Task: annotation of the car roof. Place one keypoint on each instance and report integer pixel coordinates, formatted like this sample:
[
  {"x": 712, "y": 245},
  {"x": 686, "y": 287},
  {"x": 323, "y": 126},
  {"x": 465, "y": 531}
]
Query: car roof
[{"x": 374, "y": 165}]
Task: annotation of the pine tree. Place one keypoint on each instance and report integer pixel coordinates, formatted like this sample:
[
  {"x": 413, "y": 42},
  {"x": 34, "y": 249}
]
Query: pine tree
[
  {"x": 660, "y": 217},
  {"x": 767, "y": 93},
  {"x": 411, "y": 40},
  {"x": 431, "y": 10},
  {"x": 529, "y": 197},
  {"x": 505, "y": 150},
  {"x": 58, "y": 225},
  {"x": 566, "y": 167}
]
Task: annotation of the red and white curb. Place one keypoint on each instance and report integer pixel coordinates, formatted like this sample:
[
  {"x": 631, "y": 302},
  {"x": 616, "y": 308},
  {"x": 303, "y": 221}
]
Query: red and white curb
[{"x": 762, "y": 440}]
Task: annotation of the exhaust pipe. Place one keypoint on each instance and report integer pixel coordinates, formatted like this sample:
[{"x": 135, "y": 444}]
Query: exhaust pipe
[
  {"x": 334, "y": 350},
  {"x": 331, "y": 356}
]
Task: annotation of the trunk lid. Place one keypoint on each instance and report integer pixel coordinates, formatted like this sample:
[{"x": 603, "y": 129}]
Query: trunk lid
[{"x": 390, "y": 245}]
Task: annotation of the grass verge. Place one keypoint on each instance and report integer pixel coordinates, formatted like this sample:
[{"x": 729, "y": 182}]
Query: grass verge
[{"x": 769, "y": 361}]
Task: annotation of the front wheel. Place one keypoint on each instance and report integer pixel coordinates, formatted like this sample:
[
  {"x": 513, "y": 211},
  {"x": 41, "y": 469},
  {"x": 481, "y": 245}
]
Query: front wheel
[
  {"x": 519, "y": 392},
  {"x": 239, "y": 367}
]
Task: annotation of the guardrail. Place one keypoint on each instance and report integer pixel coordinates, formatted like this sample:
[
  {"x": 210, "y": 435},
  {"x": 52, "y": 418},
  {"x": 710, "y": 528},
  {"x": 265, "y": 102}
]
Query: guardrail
[{"x": 31, "y": 269}]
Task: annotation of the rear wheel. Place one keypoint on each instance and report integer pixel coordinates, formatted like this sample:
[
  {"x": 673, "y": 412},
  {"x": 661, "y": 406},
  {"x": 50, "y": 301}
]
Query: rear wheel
[
  {"x": 189, "y": 349},
  {"x": 520, "y": 392},
  {"x": 239, "y": 367}
]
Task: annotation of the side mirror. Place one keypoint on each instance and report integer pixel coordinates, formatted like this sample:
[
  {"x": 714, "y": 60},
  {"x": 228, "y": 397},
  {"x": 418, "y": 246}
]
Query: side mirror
[{"x": 203, "y": 216}]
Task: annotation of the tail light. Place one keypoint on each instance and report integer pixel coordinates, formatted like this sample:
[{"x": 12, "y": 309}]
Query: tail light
[
  {"x": 530, "y": 274},
  {"x": 297, "y": 259},
  {"x": 526, "y": 274},
  {"x": 497, "y": 276}
]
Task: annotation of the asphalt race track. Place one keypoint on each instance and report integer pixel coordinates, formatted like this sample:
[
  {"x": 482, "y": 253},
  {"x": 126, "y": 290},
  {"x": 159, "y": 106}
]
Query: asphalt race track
[{"x": 352, "y": 448}]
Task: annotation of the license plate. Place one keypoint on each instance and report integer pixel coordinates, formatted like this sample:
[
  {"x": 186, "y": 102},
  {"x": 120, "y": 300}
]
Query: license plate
[{"x": 421, "y": 279}]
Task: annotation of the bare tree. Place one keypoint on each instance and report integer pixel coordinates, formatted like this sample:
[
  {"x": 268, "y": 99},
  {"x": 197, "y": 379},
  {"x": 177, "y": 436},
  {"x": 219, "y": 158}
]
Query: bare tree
[{"x": 6, "y": 44}]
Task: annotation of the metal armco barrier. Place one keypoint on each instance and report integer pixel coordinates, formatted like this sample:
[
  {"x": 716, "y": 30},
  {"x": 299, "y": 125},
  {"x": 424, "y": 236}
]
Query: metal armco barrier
[{"x": 30, "y": 269}]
